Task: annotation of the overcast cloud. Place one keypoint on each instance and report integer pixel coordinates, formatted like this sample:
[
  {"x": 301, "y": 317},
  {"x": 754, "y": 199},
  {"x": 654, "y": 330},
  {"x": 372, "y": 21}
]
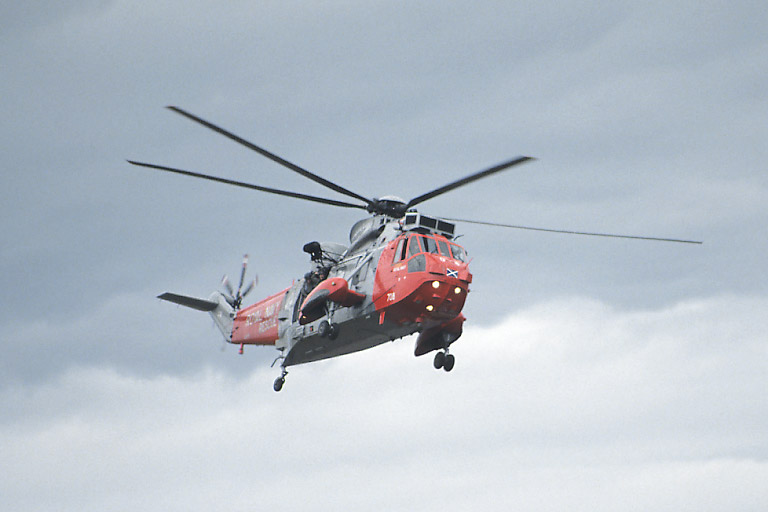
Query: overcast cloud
[
  {"x": 566, "y": 405},
  {"x": 594, "y": 374}
]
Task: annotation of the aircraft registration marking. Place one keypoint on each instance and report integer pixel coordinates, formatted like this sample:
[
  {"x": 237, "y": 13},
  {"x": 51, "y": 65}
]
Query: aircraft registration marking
[{"x": 262, "y": 314}]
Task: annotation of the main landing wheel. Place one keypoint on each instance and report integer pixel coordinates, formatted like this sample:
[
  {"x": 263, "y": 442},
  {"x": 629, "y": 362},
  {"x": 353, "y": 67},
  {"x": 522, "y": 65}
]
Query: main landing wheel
[
  {"x": 439, "y": 360},
  {"x": 444, "y": 360},
  {"x": 449, "y": 362},
  {"x": 326, "y": 329}
]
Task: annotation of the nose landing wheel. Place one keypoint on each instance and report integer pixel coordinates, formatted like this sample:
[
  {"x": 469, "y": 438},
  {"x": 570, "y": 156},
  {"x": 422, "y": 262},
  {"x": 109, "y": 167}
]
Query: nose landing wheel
[{"x": 444, "y": 360}]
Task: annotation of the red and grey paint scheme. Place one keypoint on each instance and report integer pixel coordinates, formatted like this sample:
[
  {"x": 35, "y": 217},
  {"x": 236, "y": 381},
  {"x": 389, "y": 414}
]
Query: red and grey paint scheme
[
  {"x": 397, "y": 277},
  {"x": 401, "y": 273}
]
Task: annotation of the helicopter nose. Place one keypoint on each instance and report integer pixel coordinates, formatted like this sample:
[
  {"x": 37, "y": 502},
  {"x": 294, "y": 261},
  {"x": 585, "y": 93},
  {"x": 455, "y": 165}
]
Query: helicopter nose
[
  {"x": 446, "y": 270},
  {"x": 441, "y": 297}
]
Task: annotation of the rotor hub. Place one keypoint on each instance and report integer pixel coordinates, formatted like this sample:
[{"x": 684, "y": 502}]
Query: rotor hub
[{"x": 391, "y": 206}]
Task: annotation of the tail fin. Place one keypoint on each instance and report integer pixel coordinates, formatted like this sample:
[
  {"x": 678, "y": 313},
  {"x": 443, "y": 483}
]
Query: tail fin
[
  {"x": 190, "y": 302},
  {"x": 222, "y": 313}
]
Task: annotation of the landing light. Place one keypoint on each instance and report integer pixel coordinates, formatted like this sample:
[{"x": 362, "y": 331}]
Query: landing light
[
  {"x": 430, "y": 307},
  {"x": 435, "y": 284},
  {"x": 457, "y": 290}
]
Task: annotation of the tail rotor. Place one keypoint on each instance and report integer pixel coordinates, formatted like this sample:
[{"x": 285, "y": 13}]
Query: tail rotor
[{"x": 235, "y": 298}]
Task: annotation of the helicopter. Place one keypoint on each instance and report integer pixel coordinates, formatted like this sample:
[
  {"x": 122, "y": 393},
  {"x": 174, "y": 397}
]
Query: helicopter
[{"x": 402, "y": 273}]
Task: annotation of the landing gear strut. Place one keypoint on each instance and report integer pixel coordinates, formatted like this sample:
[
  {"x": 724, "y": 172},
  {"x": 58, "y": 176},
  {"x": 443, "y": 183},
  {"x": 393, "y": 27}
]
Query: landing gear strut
[
  {"x": 444, "y": 360},
  {"x": 278, "y": 385},
  {"x": 328, "y": 329}
]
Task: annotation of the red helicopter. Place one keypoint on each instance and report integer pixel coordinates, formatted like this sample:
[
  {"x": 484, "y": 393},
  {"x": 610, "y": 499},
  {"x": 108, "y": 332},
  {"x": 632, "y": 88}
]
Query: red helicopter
[{"x": 401, "y": 273}]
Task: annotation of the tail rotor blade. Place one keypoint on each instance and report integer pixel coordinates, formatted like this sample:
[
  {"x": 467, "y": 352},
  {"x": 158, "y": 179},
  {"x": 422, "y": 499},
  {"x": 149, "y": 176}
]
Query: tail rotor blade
[
  {"x": 225, "y": 284},
  {"x": 250, "y": 287},
  {"x": 235, "y": 297},
  {"x": 242, "y": 273}
]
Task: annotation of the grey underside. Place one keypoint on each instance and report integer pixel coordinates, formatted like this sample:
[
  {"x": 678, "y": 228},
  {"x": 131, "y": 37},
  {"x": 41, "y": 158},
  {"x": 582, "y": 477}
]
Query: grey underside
[{"x": 354, "y": 335}]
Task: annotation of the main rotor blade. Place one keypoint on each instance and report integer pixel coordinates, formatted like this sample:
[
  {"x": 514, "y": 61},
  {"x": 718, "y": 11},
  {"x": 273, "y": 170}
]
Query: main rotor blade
[
  {"x": 296, "y": 195},
  {"x": 469, "y": 179},
  {"x": 272, "y": 156},
  {"x": 609, "y": 235}
]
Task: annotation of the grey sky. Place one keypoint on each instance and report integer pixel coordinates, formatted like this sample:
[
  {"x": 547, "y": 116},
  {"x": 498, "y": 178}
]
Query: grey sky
[{"x": 645, "y": 119}]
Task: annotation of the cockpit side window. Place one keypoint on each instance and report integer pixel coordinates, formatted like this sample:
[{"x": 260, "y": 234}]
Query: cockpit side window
[
  {"x": 458, "y": 253},
  {"x": 443, "y": 245},
  {"x": 429, "y": 244},
  {"x": 400, "y": 251},
  {"x": 417, "y": 244},
  {"x": 414, "y": 247}
]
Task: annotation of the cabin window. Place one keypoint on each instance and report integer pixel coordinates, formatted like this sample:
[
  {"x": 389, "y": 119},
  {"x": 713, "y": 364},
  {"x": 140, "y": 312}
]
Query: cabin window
[
  {"x": 362, "y": 273},
  {"x": 300, "y": 296}
]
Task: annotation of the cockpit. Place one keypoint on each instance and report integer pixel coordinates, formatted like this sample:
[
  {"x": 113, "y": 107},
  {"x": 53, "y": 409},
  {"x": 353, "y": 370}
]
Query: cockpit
[{"x": 427, "y": 243}]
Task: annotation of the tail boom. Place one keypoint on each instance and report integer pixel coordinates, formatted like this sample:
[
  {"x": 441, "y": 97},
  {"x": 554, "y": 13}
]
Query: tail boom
[{"x": 258, "y": 324}]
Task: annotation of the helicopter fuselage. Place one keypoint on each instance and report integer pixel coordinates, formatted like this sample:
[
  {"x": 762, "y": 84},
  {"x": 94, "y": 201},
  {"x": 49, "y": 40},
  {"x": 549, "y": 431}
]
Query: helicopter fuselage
[
  {"x": 402, "y": 273},
  {"x": 401, "y": 279}
]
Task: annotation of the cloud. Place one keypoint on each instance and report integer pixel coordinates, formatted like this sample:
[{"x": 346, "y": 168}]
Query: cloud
[
  {"x": 568, "y": 404},
  {"x": 647, "y": 119}
]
